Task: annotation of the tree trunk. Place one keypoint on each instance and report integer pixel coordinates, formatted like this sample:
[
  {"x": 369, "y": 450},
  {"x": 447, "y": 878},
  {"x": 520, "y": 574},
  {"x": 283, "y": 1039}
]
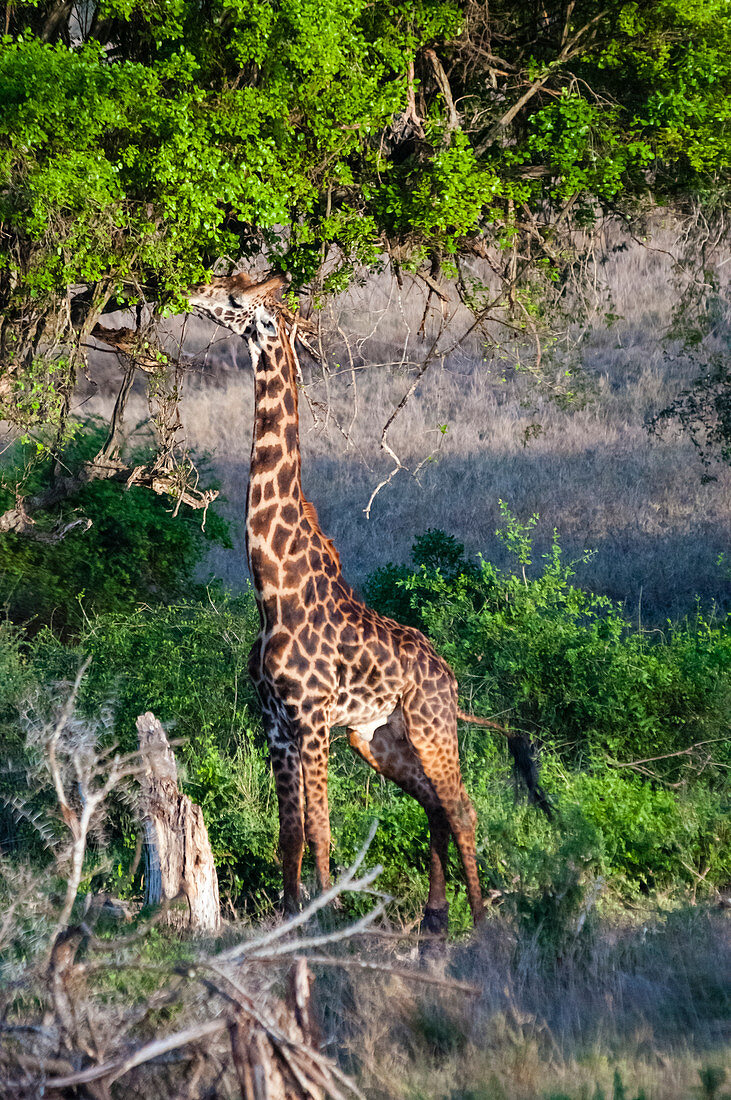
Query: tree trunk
[{"x": 178, "y": 857}]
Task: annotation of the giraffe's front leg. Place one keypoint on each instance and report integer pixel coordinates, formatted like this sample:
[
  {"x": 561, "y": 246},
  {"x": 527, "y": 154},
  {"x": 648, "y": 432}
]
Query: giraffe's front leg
[
  {"x": 314, "y": 752},
  {"x": 287, "y": 768}
]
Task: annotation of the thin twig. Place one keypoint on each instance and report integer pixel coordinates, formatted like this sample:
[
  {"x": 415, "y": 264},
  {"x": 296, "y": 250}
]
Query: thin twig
[{"x": 384, "y": 968}]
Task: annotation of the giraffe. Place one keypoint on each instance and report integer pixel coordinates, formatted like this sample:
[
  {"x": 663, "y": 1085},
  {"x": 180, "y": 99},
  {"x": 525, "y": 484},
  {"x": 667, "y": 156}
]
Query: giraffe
[{"x": 324, "y": 659}]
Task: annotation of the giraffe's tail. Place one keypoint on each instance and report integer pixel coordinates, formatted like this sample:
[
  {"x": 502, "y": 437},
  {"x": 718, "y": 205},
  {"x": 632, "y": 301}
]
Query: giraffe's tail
[{"x": 524, "y": 759}]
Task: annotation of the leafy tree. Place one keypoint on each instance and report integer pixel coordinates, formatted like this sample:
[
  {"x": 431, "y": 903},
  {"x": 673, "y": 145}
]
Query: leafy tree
[{"x": 141, "y": 143}]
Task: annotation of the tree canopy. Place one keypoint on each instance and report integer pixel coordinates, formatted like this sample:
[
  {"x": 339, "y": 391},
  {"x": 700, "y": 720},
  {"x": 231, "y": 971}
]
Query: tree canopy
[{"x": 141, "y": 143}]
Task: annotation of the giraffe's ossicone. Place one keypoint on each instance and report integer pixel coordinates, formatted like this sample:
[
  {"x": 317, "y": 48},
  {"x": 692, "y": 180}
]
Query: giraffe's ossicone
[{"x": 322, "y": 658}]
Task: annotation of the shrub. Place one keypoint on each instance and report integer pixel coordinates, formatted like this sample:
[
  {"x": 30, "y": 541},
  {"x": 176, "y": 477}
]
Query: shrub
[
  {"x": 187, "y": 662},
  {"x": 135, "y": 551},
  {"x": 387, "y": 588},
  {"x": 603, "y": 699},
  {"x": 565, "y": 664}
]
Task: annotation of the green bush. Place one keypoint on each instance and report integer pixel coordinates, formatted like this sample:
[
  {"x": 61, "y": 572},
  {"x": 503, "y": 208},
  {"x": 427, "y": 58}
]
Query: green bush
[
  {"x": 135, "y": 551},
  {"x": 387, "y": 588},
  {"x": 187, "y": 663},
  {"x": 601, "y": 698},
  {"x": 566, "y": 665}
]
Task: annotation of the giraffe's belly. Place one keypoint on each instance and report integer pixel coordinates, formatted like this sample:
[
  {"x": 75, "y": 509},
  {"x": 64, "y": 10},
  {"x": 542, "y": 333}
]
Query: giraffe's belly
[{"x": 364, "y": 719}]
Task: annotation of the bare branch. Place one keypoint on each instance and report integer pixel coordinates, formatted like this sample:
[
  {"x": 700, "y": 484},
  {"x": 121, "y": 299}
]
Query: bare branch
[
  {"x": 117, "y": 1067},
  {"x": 441, "y": 78},
  {"x": 665, "y": 756},
  {"x": 384, "y": 968},
  {"x": 347, "y": 882}
]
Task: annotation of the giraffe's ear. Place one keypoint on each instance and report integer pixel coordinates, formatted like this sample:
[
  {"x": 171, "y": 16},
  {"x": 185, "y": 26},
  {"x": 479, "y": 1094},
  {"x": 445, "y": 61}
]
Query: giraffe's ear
[
  {"x": 274, "y": 286},
  {"x": 242, "y": 281}
]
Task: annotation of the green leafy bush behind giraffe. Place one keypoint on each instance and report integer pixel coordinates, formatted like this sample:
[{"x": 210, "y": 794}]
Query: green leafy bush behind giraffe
[
  {"x": 527, "y": 646},
  {"x": 135, "y": 550}
]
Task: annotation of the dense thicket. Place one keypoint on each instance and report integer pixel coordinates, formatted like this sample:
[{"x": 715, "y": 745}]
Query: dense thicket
[{"x": 119, "y": 549}]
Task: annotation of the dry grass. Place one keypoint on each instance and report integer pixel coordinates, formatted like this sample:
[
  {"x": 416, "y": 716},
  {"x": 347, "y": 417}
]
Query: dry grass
[
  {"x": 649, "y": 1002},
  {"x": 592, "y": 471}
]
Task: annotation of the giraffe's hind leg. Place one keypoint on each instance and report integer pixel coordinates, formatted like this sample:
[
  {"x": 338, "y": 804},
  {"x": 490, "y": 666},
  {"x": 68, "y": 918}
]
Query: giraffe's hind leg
[
  {"x": 390, "y": 753},
  {"x": 431, "y": 727}
]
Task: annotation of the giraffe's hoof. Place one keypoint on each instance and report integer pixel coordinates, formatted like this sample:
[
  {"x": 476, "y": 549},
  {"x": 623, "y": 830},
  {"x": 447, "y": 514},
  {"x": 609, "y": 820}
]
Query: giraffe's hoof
[{"x": 435, "y": 921}]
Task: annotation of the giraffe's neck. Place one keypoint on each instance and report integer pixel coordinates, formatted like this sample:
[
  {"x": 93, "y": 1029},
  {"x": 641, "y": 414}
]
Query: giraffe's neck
[{"x": 276, "y": 529}]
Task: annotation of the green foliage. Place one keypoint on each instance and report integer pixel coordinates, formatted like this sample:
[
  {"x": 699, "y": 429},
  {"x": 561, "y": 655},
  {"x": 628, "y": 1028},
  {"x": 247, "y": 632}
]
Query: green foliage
[
  {"x": 386, "y": 590},
  {"x": 186, "y": 662},
  {"x": 565, "y": 665},
  {"x": 141, "y": 143},
  {"x": 161, "y": 157},
  {"x": 559, "y": 881},
  {"x": 165, "y": 138},
  {"x": 135, "y": 551}
]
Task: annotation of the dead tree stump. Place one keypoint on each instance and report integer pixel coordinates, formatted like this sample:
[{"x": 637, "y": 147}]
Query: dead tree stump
[{"x": 178, "y": 857}]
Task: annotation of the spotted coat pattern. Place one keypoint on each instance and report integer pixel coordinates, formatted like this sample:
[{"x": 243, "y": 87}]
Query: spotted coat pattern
[{"x": 322, "y": 658}]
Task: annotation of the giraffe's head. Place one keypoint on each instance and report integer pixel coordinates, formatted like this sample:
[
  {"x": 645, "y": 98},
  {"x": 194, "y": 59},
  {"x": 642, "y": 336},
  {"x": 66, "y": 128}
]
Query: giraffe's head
[{"x": 247, "y": 308}]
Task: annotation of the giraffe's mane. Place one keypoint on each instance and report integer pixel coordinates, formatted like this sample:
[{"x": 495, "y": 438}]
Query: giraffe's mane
[
  {"x": 311, "y": 515},
  {"x": 308, "y": 507}
]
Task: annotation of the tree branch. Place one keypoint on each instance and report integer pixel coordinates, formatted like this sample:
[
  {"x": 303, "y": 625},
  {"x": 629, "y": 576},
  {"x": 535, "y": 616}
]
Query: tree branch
[
  {"x": 441, "y": 78},
  {"x": 565, "y": 55},
  {"x": 19, "y": 520}
]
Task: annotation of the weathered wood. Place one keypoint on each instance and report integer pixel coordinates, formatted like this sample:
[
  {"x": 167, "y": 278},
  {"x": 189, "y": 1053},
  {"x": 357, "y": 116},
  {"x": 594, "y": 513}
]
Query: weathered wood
[
  {"x": 178, "y": 858},
  {"x": 282, "y": 1061}
]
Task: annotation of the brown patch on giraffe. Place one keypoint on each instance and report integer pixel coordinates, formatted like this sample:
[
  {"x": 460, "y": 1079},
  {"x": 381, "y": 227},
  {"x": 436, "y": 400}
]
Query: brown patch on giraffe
[
  {"x": 279, "y": 540},
  {"x": 285, "y": 476},
  {"x": 268, "y": 458},
  {"x": 265, "y": 572},
  {"x": 268, "y": 420},
  {"x": 322, "y": 587},
  {"x": 260, "y": 522},
  {"x": 294, "y": 573},
  {"x": 275, "y": 388}
]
